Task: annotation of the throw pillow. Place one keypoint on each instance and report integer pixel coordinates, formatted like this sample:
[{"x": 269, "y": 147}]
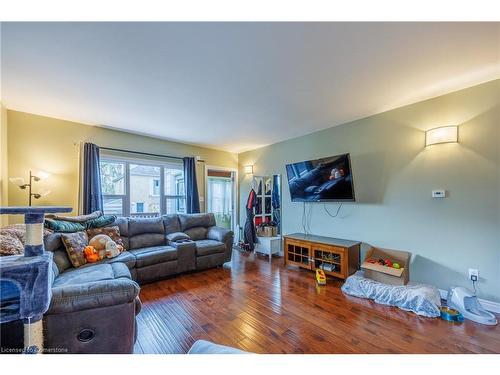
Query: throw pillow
[
  {"x": 75, "y": 245},
  {"x": 63, "y": 226},
  {"x": 113, "y": 232},
  {"x": 75, "y": 219},
  {"x": 100, "y": 221}
]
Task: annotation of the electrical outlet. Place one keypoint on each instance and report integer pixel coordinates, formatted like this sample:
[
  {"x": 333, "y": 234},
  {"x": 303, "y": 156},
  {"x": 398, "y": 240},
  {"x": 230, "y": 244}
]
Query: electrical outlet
[{"x": 473, "y": 274}]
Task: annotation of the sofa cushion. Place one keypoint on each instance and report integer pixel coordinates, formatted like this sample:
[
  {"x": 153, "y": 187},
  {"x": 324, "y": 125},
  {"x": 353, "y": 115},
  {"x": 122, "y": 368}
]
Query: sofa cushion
[
  {"x": 61, "y": 259},
  {"x": 196, "y": 220},
  {"x": 126, "y": 258},
  {"x": 197, "y": 233},
  {"x": 171, "y": 223},
  {"x": 95, "y": 272},
  {"x": 53, "y": 242},
  {"x": 75, "y": 244},
  {"x": 153, "y": 255},
  {"x": 145, "y": 225},
  {"x": 146, "y": 232},
  {"x": 146, "y": 240},
  {"x": 93, "y": 287},
  {"x": 122, "y": 224},
  {"x": 208, "y": 247}
]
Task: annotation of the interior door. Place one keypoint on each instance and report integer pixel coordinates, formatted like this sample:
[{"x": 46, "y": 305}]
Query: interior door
[{"x": 220, "y": 196}]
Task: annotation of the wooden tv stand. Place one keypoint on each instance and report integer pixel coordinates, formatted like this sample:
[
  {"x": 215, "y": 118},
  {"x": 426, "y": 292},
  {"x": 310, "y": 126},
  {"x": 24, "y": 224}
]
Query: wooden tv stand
[{"x": 339, "y": 257}]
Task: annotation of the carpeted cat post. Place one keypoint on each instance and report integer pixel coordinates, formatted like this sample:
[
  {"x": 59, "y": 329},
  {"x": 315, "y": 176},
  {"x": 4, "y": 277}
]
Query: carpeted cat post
[{"x": 26, "y": 281}]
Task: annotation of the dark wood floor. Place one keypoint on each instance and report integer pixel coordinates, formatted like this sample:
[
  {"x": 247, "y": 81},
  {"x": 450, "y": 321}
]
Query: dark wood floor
[{"x": 262, "y": 307}]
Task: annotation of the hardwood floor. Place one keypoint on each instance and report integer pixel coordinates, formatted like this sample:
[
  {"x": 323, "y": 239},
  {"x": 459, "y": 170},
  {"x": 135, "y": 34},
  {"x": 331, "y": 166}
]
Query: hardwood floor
[{"x": 262, "y": 307}]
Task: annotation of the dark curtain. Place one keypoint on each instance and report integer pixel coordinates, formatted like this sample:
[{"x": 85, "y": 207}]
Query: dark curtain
[
  {"x": 92, "y": 195},
  {"x": 192, "y": 198}
]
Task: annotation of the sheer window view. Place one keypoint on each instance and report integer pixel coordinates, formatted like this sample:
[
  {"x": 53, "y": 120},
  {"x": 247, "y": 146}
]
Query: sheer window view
[
  {"x": 220, "y": 200},
  {"x": 141, "y": 189}
]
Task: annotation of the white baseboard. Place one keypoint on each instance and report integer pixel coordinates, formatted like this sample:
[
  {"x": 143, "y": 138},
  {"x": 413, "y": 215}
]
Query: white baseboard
[{"x": 488, "y": 305}]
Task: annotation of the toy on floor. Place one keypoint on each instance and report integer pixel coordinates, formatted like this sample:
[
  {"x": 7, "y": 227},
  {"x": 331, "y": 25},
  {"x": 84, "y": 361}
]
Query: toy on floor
[
  {"x": 384, "y": 262},
  {"x": 466, "y": 302},
  {"x": 320, "y": 277},
  {"x": 91, "y": 254}
]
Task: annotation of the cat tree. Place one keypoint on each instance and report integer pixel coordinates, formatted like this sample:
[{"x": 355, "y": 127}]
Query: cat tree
[{"x": 26, "y": 279}]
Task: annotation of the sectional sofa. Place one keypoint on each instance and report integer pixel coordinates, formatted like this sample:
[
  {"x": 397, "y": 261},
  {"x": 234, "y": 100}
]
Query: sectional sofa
[{"x": 93, "y": 307}]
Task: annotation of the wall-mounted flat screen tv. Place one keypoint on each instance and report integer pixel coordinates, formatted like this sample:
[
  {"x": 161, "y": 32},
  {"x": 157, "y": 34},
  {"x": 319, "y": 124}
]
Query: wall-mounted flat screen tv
[{"x": 321, "y": 180}]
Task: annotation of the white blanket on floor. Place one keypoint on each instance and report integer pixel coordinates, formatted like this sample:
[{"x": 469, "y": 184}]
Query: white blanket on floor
[{"x": 421, "y": 299}]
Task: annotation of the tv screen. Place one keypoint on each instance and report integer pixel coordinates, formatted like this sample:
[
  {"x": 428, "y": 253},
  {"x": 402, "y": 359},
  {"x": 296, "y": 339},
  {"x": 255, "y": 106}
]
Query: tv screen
[{"x": 321, "y": 180}]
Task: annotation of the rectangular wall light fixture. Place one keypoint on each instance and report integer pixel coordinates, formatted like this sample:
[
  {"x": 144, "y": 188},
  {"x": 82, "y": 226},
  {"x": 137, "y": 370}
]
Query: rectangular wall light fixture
[
  {"x": 248, "y": 169},
  {"x": 443, "y": 134}
]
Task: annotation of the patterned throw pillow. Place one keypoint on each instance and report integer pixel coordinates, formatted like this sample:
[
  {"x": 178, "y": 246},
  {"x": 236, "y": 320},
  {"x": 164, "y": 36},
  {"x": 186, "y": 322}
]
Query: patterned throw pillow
[
  {"x": 112, "y": 232},
  {"x": 75, "y": 244}
]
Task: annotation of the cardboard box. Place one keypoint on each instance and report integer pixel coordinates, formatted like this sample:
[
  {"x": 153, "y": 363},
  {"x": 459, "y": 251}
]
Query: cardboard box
[
  {"x": 267, "y": 231},
  {"x": 388, "y": 275}
]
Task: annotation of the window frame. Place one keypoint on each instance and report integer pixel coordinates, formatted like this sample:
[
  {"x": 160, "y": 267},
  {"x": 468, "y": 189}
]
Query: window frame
[{"x": 127, "y": 161}]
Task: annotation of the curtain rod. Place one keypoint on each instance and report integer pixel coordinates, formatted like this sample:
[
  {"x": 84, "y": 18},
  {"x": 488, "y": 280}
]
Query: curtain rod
[{"x": 142, "y": 153}]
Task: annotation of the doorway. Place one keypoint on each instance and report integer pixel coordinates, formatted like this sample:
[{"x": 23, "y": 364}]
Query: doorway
[{"x": 220, "y": 195}]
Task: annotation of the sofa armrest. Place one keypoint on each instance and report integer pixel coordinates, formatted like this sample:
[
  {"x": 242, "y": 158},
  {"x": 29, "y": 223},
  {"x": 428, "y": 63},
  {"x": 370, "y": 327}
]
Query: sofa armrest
[
  {"x": 71, "y": 298},
  {"x": 225, "y": 236},
  {"x": 219, "y": 234}
]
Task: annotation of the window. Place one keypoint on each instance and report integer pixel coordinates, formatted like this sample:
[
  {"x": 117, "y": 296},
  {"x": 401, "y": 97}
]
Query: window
[
  {"x": 136, "y": 187},
  {"x": 155, "y": 187},
  {"x": 175, "y": 194}
]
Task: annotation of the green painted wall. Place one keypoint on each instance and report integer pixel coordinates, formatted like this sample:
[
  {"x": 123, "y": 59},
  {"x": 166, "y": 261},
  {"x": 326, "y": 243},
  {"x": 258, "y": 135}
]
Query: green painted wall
[
  {"x": 52, "y": 145},
  {"x": 394, "y": 175}
]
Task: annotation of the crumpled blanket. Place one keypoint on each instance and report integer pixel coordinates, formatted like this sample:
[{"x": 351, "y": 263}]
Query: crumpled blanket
[
  {"x": 12, "y": 239},
  {"x": 422, "y": 299}
]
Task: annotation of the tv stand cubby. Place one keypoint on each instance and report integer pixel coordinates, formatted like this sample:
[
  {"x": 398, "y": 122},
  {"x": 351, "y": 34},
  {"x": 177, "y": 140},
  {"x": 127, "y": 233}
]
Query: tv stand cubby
[{"x": 335, "y": 256}]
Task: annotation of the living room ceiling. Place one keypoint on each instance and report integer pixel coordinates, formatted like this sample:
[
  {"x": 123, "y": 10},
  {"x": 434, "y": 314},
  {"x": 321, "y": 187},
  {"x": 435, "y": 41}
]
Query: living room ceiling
[{"x": 237, "y": 86}]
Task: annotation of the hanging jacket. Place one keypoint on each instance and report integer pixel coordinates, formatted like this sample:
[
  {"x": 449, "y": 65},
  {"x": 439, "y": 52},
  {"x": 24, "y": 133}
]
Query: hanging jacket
[
  {"x": 275, "y": 197},
  {"x": 249, "y": 233}
]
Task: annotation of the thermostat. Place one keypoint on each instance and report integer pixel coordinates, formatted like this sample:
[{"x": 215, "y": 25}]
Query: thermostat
[{"x": 439, "y": 194}]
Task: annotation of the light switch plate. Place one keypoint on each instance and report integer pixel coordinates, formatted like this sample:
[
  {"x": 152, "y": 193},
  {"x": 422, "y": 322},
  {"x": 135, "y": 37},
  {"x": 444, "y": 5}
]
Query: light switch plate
[{"x": 439, "y": 194}]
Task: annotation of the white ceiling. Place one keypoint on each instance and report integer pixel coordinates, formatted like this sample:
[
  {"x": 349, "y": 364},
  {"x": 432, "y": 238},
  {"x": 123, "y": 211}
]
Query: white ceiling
[{"x": 237, "y": 86}]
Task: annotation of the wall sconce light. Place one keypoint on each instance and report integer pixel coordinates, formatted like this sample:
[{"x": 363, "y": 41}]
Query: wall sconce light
[
  {"x": 19, "y": 181},
  {"x": 248, "y": 169},
  {"x": 443, "y": 134}
]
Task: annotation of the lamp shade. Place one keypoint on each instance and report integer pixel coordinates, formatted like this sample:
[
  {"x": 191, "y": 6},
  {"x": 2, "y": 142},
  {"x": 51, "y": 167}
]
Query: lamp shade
[
  {"x": 248, "y": 169},
  {"x": 18, "y": 181},
  {"x": 443, "y": 134},
  {"x": 42, "y": 175}
]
